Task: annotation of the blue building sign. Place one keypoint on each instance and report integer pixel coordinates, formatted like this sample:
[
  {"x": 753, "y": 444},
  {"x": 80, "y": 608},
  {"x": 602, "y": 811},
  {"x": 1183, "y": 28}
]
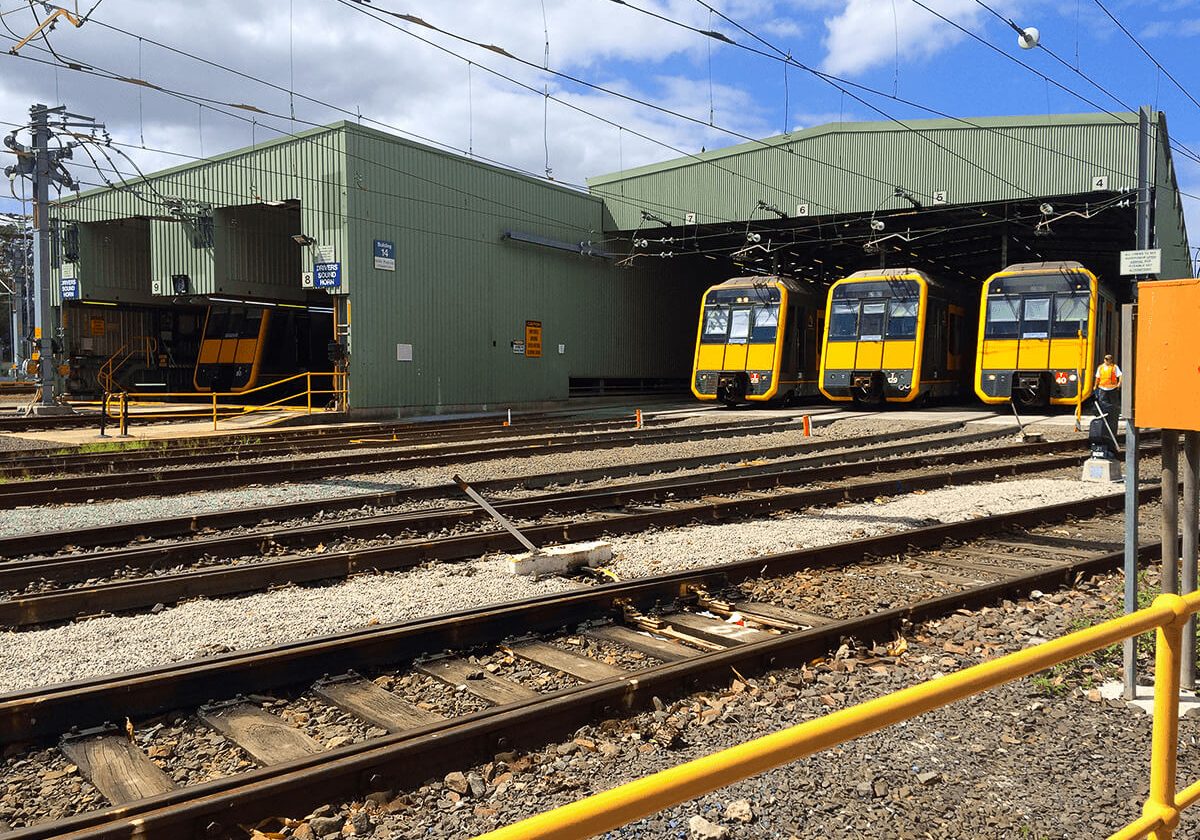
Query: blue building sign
[
  {"x": 385, "y": 255},
  {"x": 69, "y": 287},
  {"x": 327, "y": 275}
]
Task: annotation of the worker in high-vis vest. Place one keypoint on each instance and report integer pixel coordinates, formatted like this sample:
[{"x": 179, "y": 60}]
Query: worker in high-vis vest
[{"x": 1108, "y": 386}]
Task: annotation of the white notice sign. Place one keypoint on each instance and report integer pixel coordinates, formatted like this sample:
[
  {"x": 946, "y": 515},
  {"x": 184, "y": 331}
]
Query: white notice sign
[
  {"x": 325, "y": 254},
  {"x": 1148, "y": 261}
]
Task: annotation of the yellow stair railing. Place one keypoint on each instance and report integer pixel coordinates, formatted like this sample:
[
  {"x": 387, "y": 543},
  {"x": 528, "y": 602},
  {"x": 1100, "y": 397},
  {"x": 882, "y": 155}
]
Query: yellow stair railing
[
  {"x": 107, "y": 375},
  {"x": 1160, "y": 814}
]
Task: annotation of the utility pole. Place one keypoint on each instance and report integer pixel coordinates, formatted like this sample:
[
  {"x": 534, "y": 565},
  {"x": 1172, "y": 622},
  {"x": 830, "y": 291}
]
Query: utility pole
[
  {"x": 44, "y": 165},
  {"x": 1128, "y": 361}
]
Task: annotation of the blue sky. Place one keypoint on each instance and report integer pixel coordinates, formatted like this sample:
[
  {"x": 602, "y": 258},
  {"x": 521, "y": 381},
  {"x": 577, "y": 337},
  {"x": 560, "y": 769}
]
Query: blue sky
[{"x": 331, "y": 51}]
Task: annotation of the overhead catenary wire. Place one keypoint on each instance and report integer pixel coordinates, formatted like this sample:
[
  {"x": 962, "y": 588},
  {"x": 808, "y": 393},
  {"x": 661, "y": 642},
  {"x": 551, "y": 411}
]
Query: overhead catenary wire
[
  {"x": 1147, "y": 53},
  {"x": 1175, "y": 144},
  {"x": 213, "y": 105},
  {"x": 839, "y": 82},
  {"x": 282, "y": 132}
]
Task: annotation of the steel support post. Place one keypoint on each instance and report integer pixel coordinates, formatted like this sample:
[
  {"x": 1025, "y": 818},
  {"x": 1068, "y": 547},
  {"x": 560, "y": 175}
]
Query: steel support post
[
  {"x": 1129, "y": 658},
  {"x": 1191, "y": 523},
  {"x": 1170, "y": 511},
  {"x": 42, "y": 304},
  {"x": 1128, "y": 362}
]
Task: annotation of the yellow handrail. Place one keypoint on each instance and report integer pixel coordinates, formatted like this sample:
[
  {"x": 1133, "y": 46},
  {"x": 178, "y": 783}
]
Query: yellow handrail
[
  {"x": 216, "y": 410},
  {"x": 643, "y": 797}
]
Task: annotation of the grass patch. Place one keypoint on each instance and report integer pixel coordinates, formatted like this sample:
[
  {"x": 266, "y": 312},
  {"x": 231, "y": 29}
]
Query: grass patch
[{"x": 116, "y": 446}]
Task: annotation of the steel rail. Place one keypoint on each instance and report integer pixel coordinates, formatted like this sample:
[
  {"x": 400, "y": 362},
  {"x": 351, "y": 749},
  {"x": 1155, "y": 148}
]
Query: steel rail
[
  {"x": 27, "y": 464},
  {"x": 850, "y": 463},
  {"x": 215, "y": 809},
  {"x": 133, "y": 484},
  {"x": 118, "y": 533},
  {"x": 140, "y": 593},
  {"x": 48, "y": 711}
]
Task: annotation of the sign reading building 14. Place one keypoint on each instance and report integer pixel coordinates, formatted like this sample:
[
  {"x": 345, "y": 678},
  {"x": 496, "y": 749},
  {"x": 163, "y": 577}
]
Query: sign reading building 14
[{"x": 385, "y": 255}]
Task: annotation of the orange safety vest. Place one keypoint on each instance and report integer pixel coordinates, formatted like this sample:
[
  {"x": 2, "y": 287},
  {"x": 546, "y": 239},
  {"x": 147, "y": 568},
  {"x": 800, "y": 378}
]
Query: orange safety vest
[{"x": 1107, "y": 376}]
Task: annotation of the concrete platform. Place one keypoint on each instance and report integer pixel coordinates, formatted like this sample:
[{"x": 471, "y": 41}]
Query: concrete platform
[{"x": 1189, "y": 703}]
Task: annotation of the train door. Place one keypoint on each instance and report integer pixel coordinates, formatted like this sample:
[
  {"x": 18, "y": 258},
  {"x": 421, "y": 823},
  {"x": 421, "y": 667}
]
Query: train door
[
  {"x": 793, "y": 344},
  {"x": 1034, "y": 350}
]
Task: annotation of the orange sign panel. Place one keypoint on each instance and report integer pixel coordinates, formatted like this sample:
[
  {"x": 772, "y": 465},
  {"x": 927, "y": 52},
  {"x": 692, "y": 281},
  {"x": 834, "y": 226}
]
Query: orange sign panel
[
  {"x": 97, "y": 325},
  {"x": 1166, "y": 376},
  {"x": 533, "y": 339}
]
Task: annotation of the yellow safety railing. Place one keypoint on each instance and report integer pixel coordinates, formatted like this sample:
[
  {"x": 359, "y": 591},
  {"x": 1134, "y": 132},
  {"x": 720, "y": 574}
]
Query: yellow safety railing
[
  {"x": 215, "y": 404},
  {"x": 107, "y": 374},
  {"x": 651, "y": 794}
]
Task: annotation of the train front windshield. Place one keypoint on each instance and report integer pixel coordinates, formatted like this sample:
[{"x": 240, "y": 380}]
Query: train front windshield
[
  {"x": 874, "y": 311},
  {"x": 1038, "y": 306},
  {"x": 741, "y": 316}
]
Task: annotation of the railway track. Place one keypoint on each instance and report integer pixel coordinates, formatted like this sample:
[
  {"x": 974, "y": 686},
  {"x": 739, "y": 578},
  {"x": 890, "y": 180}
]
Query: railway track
[
  {"x": 962, "y": 565},
  {"x": 310, "y": 553},
  {"x": 157, "y": 454},
  {"x": 122, "y": 533},
  {"x": 190, "y": 478}
]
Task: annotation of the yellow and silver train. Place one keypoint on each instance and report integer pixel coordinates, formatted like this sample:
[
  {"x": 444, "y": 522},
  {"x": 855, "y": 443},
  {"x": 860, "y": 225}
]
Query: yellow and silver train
[
  {"x": 1043, "y": 327},
  {"x": 245, "y": 345},
  {"x": 893, "y": 336},
  {"x": 757, "y": 341}
]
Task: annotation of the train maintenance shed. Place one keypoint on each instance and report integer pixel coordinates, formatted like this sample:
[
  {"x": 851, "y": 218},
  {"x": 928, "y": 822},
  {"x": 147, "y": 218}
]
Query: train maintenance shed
[{"x": 440, "y": 282}]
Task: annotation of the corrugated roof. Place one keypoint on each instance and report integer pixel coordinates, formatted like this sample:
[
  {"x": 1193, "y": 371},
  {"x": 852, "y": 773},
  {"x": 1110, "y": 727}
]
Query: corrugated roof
[{"x": 878, "y": 126}]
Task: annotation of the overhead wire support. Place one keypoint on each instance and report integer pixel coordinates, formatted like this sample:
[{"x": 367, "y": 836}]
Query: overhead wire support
[{"x": 48, "y": 25}]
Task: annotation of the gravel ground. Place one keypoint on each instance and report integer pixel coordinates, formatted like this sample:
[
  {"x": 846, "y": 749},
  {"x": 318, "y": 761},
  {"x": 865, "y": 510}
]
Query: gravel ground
[
  {"x": 16, "y": 443},
  {"x": 65, "y": 517},
  {"x": 1044, "y": 757},
  {"x": 123, "y": 643},
  {"x": 658, "y": 552}
]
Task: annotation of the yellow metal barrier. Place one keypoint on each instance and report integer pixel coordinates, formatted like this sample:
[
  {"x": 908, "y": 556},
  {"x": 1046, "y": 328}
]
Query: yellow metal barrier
[
  {"x": 338, "y": 389},
  {"x": 643, "y": 797}
]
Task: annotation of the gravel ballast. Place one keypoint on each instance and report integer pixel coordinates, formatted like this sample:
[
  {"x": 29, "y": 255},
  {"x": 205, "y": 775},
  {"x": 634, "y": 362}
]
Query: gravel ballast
[
  {"x": 124, "y": 643},
  {"x": 1043, "y": 757},
  {"x": 25, "y": 520}
]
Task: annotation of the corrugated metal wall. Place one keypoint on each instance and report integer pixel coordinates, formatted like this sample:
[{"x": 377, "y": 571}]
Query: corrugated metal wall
[
  {"x": 853, "y": 168},
  {"x": 308, "y": 168},
  {"x": 113, "y": 262},
  {"x": 256, "y": 255},
  {"x": 1170, "y": 230},
  {"x": 461, "y": 293}
]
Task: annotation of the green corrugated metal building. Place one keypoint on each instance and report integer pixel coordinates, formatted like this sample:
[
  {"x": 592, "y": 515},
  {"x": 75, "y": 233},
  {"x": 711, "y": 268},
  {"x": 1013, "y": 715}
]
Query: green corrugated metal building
[
  {"x": 613, "y": 277},
  {"x": 479, "y": 251}
]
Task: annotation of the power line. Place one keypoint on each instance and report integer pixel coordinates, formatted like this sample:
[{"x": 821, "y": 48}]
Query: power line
[
  {"x": 213, "y": 104},
  {"x": 838, "y": 82},
  {"x": 369, "y": 11},
  {"x": 1146, "y": 52},
  {"x": 1182, "y": 149}
]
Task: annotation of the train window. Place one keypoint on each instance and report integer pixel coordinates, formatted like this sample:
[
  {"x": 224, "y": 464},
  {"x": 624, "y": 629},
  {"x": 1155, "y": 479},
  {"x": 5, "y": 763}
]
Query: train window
[
  {"x": 1036, "y": 320},
  {"x": 251, "y": 322},
  {"x": 739, "y": 326},
  {"x": 1071, "y": 315},
  {"x": 716, "y": 325},
  {"x": 902, "y": 319},
  {"x": 1003, "y": 320},
  {"x": 766, "y": 321},
  {"x": 871, "y": 327},
  {"x": 843, "y": 322}
]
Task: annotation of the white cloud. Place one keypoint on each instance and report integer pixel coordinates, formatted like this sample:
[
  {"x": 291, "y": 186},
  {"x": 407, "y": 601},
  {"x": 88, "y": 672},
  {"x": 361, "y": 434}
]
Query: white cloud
[
  {"x": 869, "y": 33},
  {"x": 338, "y": 55}
]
